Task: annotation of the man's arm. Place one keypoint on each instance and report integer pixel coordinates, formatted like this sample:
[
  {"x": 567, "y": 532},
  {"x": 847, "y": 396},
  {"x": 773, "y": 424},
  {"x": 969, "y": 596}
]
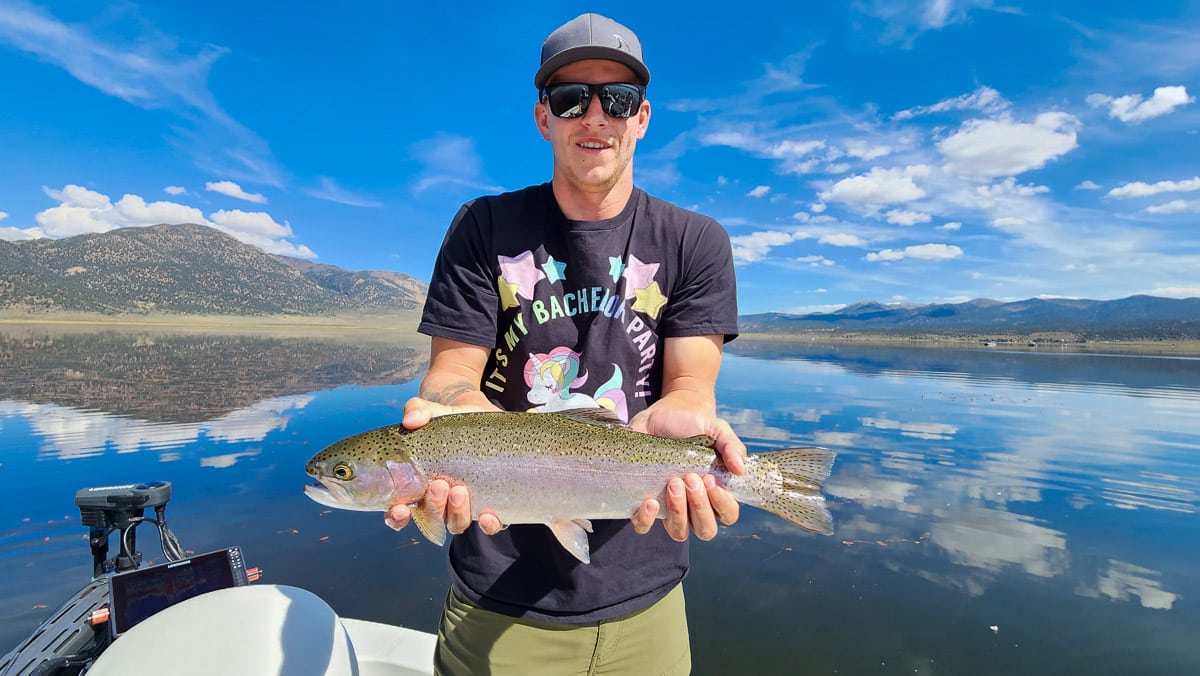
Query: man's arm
[
  {"x": 450, "y": 386},
  {"x": 688, "y": 407}
]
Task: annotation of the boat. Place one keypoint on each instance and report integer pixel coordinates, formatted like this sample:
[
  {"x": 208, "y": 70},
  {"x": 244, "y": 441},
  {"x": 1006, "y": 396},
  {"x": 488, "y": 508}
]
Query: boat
[{"x": 200, "y": 614}]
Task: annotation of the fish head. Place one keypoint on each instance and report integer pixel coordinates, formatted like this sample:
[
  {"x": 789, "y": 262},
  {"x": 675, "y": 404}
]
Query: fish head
[{"x": 365, "y": 472}]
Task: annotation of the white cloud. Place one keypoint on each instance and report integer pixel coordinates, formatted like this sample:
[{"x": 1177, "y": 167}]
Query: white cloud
[
  {"x": 987, "y": 148},
  {"x": 1140, "y": 189},
  {"x": 257, "y": 223},
  {"x": 1175, "y": 207},
  {"x": 814, "y": 261},
  {"x": 450, "y": 161},
  {"x": 147, "y": 70},
  {"x": 81, "y": 211},
  {"x": 1008, "y": 187},
  {"x": 759, "y": 191},
  {"x": 1133, "y": 109},
  {"x": 790, "y": 152},
  {"x": 1008, "y": 222},
  {"x": 842, "y": 239},
  {"x": 79, "y": 196},
  {"x": 951, "y": 226},
  {"x": 330, "y": 191},
  {"x": 1088, "y": 185},
  {"x": 985, "y": 100},
  {"x": 755, "y": 246},
  {"x": 3, "y": 215},
  {"x": 864, "y": 151},
  {"x": 133, "y": 210},
  {"x": 234, "y": 190},
  {"x": 1176, "y": 291},
  {"x": 174, "y": 190},
  {"x": 903, "y": 217},
  {"x": 794, "y": 148},
  {"x": 920, "y": 251},
  {"x": 878, "y": 186}
]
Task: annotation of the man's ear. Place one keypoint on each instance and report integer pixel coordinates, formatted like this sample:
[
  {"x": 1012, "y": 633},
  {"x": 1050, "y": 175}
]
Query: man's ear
[
  {"x": 643, "y": 119},
  {"x": 542, "y": 119}
]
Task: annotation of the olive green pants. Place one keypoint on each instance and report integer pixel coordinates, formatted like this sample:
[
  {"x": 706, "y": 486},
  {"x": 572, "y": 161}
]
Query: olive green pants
[{"x": 473, "y": 641}]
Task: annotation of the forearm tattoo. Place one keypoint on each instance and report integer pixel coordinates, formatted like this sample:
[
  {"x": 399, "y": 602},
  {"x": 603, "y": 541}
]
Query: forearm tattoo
[{"x": 448, "y": 394}]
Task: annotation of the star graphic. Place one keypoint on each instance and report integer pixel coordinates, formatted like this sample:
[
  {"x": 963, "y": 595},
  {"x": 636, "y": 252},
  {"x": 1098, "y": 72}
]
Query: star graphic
[
  {"x": 638, "y": 275},
  {"x": 522, "y": 272},
  {"x": 615, "y": 268},
  {"x": 508, "y": 293},
  {"x": 554, "y": 269},
  {"x": 650, "y": 300}
]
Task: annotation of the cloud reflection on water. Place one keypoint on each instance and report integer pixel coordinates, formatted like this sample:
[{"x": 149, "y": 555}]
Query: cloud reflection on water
[
  {"x": 68, "y": 433},
  {"x": 984, "y": 464}
]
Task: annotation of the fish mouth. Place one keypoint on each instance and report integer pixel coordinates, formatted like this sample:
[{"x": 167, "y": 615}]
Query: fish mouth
[
  {"x": 334, "y": 495},
  {"x": 320, "y": 493}
]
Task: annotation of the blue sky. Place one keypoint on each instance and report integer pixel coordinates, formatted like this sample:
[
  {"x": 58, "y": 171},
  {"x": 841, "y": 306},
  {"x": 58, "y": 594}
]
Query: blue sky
[{"x": 918, "y": 152}]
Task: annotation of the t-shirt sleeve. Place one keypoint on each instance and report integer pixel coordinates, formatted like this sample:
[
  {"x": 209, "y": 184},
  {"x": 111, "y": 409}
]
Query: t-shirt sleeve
[
  {"x": 462, "y": 299},
  {"x": 705, "y": 301}
]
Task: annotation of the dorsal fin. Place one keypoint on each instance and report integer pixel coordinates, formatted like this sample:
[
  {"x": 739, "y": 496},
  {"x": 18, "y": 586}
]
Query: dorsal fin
[
  {"x": 702, "y": 440},
  {"x": 592, "y": 416}
]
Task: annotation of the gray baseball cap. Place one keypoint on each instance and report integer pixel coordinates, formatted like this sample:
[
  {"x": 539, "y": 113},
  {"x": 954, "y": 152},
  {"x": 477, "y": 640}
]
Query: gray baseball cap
[{"x": 591, "y": 36}]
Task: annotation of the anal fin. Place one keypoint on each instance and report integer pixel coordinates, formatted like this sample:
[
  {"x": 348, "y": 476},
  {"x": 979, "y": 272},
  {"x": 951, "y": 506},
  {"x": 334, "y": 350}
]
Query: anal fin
[
  {"x": 430, "y": 525},
  {"x": 572, "y": 535}
]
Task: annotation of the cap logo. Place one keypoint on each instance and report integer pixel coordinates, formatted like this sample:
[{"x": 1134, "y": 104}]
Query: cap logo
[{"x": 620, "y": 43}]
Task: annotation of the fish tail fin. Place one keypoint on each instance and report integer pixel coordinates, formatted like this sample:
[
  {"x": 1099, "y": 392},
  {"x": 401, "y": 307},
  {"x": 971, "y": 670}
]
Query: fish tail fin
[{"x": 796, "y": 476}]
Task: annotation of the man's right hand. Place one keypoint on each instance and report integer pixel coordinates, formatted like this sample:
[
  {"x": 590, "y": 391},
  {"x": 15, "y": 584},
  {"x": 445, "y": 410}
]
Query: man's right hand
[{"x": 453, "y": 502}]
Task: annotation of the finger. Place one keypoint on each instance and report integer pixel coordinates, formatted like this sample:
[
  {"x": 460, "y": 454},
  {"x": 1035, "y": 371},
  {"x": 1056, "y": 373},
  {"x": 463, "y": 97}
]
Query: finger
[
  {"x": 731, "y": 448},
  {"x": 723, "y": 503},
  {"x": 458, "y": 510},
  {"x": 490, "y": 524},
  {"x": 436, "y": 495},
  {"x": 397, "y": 517},
  {"x": 700, "y": 511},
  {"x": 643, "y": 519},
  {"x": 416, "y": 413},
  {"x": 676, "y": 522}
]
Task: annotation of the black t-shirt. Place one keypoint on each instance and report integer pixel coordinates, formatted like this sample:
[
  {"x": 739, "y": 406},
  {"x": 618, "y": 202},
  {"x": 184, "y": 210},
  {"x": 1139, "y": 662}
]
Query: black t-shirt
[{"x": 575, "y": 314}]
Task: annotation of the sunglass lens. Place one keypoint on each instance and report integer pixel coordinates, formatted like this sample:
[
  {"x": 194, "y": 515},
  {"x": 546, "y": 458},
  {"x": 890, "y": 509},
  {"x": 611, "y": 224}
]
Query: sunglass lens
[
  {"x": 569, "y": 100},
  {"x": 620, "y": 100}
]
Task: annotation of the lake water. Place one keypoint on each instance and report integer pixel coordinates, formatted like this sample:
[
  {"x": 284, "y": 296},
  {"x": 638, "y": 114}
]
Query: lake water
[{"x": 995, "y": 512}]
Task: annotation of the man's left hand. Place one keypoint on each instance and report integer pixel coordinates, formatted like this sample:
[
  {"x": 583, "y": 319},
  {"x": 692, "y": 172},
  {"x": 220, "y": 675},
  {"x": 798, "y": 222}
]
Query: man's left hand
[{"x": 694, "y": 502}]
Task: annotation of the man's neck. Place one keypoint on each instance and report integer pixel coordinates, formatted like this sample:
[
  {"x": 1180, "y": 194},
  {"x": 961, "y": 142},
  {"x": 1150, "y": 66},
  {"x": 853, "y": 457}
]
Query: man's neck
[{"x": 579, "y": 205}]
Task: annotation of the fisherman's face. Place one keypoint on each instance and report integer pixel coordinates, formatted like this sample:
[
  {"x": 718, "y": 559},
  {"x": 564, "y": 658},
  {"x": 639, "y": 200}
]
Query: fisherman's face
[{"x": 594, "y": 152}]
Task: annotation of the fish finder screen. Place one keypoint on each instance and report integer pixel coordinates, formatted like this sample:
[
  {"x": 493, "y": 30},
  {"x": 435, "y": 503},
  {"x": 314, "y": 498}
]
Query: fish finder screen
[{"x": 138, "y": 594}]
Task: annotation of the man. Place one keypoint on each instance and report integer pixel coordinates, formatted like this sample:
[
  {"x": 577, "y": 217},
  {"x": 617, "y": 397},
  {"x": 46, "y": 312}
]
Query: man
[{"x": 581, "y": 292}]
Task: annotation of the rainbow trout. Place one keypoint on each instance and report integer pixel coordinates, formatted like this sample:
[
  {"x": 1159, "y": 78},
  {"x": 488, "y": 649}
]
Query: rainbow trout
[{"x": 557, "y": 469}]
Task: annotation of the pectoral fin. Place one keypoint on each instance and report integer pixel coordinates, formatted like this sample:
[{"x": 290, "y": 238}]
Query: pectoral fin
[
  {"x": 572, "y": 535},
  {"x": 430, "y": 525}
]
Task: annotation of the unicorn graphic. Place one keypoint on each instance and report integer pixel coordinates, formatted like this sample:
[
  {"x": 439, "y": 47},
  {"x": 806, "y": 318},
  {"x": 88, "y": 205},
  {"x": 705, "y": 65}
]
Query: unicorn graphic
[{"x": 551, "y": 377}]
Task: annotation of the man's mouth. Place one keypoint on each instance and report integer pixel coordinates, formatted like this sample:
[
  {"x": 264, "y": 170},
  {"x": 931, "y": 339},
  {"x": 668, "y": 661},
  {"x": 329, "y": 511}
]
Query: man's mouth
[{"x": 593, "y": 145}]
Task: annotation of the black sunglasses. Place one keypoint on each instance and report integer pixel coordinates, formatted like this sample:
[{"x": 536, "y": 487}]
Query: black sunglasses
[{"x": 571, "y": 99}]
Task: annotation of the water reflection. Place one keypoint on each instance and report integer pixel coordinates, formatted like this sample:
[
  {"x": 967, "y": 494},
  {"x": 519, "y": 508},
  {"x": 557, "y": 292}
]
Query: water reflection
[
  {"x": 980, "y": 472},
  {"x": 181, "y": 377},
  {"x": 70, "y": 433},
  {"x": 994, "y": 513}
]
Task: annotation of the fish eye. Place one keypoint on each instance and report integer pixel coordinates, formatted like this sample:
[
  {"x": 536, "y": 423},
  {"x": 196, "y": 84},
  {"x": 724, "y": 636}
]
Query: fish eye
[{"x": 343, "y": 471}]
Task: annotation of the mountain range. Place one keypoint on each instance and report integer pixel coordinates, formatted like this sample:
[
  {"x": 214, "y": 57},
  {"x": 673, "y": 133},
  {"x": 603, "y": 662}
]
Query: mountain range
[
  {"x": 186, "y": 269},
  {"x": 1135, "y": 317},
  {"x": 196, "y": 269}
]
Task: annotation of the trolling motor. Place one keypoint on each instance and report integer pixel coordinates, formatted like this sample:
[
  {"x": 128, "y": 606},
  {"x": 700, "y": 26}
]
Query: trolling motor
[
  {"x": 78, "y": 631},
  {"x": 108, "y": 509}
]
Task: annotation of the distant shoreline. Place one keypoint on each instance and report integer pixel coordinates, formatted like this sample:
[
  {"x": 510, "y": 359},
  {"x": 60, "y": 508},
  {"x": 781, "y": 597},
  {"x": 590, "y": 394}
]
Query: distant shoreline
[
  {"x": 390, "y": 320},
  {"x": 406, "y": 323},
  {"x": 1176, "y": 348}
]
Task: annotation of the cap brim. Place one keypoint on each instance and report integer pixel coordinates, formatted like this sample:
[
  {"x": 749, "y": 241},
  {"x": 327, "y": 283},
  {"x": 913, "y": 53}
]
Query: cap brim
[{"x": 574, "y": 54}]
